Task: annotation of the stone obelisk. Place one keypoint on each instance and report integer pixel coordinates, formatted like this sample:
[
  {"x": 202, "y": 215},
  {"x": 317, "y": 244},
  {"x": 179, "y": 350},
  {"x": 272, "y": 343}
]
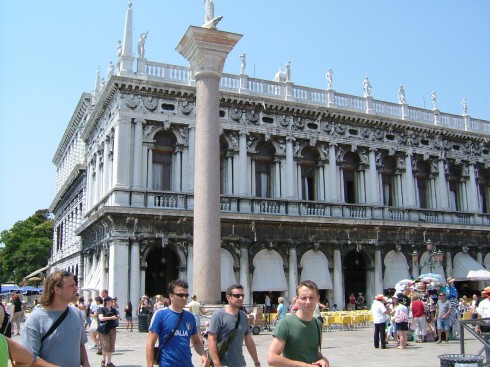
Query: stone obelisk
[{"x": 206, "y": 48}]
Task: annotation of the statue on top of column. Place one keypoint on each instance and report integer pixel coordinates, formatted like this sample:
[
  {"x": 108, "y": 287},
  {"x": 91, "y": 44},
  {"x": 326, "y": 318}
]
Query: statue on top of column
[
  {"x": 288, "y": 71},
  {"x": 210, "y": 22}
]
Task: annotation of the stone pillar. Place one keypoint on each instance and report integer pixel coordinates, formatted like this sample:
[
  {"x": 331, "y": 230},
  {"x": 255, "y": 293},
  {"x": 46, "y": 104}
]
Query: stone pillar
[
  {"x": 442, "y": 194},
  {"x": 190, "y": 263},
  {"x": 149, "y": 184},
  {"x": 138, "y": 154},
  {"x": 289, "y": 168},
  {"x": 103, "y": 274},
  {"x": 378, "y": 272},
  {"x": 277, "y": 177},
  {"x": 409, "y": 183},
  {"x": 479, "y": 258},
  {"x": 333, "y": 179},
  {"x": 373, "y": 192},
  {"x": 242, "y": 165},
  {"x": 107, "y": 166},
  {"x": 293, "y": 270},
  {"x": 321, "y": 175},
  {"x": 449, "y": 265},
  {"x": 134, "y": 281},
  {"x": 338, "y": 287},
  {"x": 121, "y": 154},
  {"x": 206, "y": 50},
  {"x": 472, "y": 190},
  {"x": 192, "y": 158},
  {"x": 229, "y": 173},
  {"x": 118, "y": 276},
  {"x": 245, "y": 271}
]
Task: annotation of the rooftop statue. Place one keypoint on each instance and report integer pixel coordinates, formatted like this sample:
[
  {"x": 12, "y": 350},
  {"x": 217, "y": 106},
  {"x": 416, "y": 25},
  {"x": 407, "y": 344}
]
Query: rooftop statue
[
  {"x": 367, "y": 87},
  {"x": 288, "y": 71},
  {"x": 433, "y": 97},
  {"x": 465, "y": 107},
  {"x": 243, "y": 60},
  {"x": 401, "y": 95},
  {"x": 210, "y": 22},
  {"x": 330, "y": 78},
  {"x": 141, "y": 44}
]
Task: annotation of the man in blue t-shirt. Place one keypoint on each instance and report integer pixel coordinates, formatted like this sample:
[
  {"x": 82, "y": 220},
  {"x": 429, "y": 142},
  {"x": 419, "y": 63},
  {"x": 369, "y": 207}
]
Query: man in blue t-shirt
[{"x": 175, "y": 351}]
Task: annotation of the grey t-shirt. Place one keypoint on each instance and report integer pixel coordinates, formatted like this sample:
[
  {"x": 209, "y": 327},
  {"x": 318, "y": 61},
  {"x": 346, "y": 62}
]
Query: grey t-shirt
[
  {"x": 62, "y": 347},
  {"x": 443, "y": 307},
  {"x": 222, "y": 324}
]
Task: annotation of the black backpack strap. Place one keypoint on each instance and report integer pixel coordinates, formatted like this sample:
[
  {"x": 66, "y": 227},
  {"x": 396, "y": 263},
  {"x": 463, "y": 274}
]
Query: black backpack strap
[
  {"x": 56, "y": 324},
  {"x": 169, "y": 336}
]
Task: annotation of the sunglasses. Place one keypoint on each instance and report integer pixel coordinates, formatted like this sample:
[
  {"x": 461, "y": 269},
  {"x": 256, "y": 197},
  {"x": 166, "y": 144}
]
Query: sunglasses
[
  {"x": 181, "y": 295},
  {"x": 236, "y": 295}
]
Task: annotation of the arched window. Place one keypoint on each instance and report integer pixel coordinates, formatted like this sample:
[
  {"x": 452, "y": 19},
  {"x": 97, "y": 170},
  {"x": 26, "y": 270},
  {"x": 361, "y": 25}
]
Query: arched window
[
  {"x": 308, "y": 174},
  {"x": 162, "y": 161},
  {"x": 263, "y": 169}
]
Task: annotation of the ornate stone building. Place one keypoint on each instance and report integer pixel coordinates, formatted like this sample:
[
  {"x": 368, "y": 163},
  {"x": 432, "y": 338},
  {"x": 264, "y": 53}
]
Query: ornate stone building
[{"x": 315, "y": 184}]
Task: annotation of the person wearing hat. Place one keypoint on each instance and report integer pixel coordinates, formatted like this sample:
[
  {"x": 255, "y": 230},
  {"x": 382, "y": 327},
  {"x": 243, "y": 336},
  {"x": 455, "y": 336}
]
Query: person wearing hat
[
  {"x": 443, "y": 317},
  {"x": 380, "y": 311},
  {"x": 483, "y": 310}
]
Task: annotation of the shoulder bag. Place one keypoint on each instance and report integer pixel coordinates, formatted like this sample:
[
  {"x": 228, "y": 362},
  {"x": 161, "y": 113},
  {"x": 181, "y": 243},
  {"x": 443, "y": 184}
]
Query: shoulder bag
[
  {"x": 225, "y": 343},
  {"x": 56, "y": 324},
  {"x": 158, "y": 350}
]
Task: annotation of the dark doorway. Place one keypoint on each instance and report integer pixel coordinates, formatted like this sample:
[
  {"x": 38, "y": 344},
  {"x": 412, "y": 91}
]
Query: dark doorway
[
  {"x": 354, "y": 275},
  {"x": 163, "y": 266}
]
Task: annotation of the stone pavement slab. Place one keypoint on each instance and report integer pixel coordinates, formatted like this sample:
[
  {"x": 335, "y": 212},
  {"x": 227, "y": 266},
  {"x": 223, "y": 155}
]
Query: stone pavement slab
[{"x": 342, "y": 348}]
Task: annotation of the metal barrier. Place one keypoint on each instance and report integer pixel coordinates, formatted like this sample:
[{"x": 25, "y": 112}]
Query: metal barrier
[{"x": 484, "y": 338}]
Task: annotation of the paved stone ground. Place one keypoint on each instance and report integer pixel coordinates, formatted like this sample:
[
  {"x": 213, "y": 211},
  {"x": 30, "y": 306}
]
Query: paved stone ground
[{"x": 342, "y": 348}]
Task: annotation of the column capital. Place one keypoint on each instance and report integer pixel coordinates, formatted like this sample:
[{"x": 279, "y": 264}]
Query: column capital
[{"x": 207, "y": 49}]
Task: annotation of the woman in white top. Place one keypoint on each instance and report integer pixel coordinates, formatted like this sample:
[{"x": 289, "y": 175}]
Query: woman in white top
[{"x": 401, "y": 320}]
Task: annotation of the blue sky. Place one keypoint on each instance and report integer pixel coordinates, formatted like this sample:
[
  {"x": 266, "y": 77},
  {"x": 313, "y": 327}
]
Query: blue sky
[{"x": 50, "y": 51}]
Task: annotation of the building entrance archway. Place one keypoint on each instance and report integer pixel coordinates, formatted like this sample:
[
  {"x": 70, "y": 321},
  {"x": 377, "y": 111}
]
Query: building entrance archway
[
  {"x": 354, "y": 275},
  {"x": 162, "y": 267}
]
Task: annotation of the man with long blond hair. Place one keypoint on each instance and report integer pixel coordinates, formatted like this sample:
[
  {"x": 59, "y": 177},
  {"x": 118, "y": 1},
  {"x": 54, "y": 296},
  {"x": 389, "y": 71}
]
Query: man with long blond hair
[{"x": 65, "y": 344}]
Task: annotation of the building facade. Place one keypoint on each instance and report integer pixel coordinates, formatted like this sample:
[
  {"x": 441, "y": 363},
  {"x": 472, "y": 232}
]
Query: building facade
[{"x": 315, "y": 184}]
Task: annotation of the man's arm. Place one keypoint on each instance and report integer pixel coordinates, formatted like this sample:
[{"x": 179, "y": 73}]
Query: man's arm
[
  {"x": 199, "y": 348},
  {"x": 83, "y": 356},
  {"x": 20, "y": 354},
  {"x": 252, "y": 349},
  {"x": 150, "y": 343},
  {"x": 213, "y": 349}
]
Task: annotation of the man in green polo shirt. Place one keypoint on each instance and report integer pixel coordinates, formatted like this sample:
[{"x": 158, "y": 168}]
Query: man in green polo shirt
[{"x": 297, "y": 337}]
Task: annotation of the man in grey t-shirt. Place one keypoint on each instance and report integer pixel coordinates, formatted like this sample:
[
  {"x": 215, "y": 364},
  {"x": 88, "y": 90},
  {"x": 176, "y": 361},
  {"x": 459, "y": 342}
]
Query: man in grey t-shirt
[
  {"x": 222, "y": 325},
  {"x": 65, "y": 346}
]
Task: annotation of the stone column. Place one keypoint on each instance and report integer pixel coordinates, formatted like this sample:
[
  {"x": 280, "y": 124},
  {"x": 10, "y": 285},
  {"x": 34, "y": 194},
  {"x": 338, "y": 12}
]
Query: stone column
[
  {"x": 228, "y": 189},
  {"x": 103, "y": 274},
  {"x": 472, "y": 190},
  {"x": 338, "y": 287},
  {"x": 206, "y": 50},
  {"x": 293, "y": 270},
  {"x": 190, "y": 262},
  {"x": 134, "y": 281},
  {"x": 479, "y": 258},
  {"x": 242, "y": 165},
  {"x": 449, "y": 264},
  {"x": 333, "y": 179},
  {"x": 289, "y": 168},
  {"x": 373, "y": 192},
  {"x": 121, "y": 154},
  {"x": 192, "y": 158},
  {"x": 138, "y": 154},
  {"x": 118, "y": 277},
  {"x": 409, "y": 184},
  {"x": 442, "y": 195},
  {"x": 107, "y": 166},
  {"x": 378, "y": 272},
  {"x": 245, "y": 271}
]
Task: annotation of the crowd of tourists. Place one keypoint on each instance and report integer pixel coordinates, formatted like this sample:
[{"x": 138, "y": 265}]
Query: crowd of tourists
[
  {"x": 56, "y": 331},
  {"x": 428, "y": 312}
]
